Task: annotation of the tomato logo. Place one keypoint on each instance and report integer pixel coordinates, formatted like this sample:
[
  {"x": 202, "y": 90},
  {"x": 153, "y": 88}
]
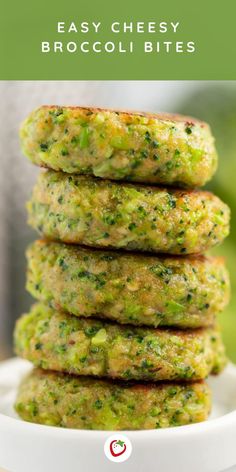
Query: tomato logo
[{"x": 118, "y": 448}]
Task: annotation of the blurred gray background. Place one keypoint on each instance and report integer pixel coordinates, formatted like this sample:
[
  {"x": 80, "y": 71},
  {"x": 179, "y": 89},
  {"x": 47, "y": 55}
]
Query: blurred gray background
[{"x": 212, "y": 101}]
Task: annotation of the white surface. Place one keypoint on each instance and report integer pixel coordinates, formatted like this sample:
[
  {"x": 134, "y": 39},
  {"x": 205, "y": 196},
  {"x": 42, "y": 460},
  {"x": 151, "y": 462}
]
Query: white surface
[{"x": 204, "y": 447}]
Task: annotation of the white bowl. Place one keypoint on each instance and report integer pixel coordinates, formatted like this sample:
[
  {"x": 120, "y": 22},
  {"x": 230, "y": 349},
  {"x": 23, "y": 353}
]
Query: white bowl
[{"x": 202, "y": 447}]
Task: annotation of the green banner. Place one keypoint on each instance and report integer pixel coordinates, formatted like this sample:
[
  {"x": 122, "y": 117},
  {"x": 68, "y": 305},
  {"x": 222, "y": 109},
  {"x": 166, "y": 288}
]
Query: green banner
[{"x": 127, "y": 39}]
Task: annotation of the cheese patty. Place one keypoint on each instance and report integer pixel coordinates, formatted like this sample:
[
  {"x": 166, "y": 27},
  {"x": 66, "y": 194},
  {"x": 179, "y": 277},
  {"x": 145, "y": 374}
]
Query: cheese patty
[
  {"x": 185, "y": 292},
  {"x": 61, "y": 342},
  {"x": 100, "y": 213},
  {"x": 121, "y": 145},
  {"x": 84, "y": 403}
]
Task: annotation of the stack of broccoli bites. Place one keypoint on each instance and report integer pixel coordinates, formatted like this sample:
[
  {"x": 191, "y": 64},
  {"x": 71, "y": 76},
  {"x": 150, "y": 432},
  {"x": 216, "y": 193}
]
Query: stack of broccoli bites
[{"x": 125, "y": 328}]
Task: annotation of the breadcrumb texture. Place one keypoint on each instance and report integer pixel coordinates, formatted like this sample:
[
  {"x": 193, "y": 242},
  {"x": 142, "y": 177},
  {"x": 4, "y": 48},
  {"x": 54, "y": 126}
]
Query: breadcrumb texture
[
  {"x": 56, "y": 341},
  {"x": 100, "y": 213},
  {"x": 85, "y": 403},
  {"x": 121, "y": 145},
  {"x": 184, "y": 292}
]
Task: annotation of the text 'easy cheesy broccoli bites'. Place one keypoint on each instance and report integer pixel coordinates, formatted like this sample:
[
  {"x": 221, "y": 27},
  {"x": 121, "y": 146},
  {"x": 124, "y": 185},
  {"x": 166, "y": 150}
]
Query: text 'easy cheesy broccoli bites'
[{"x": 142, "y": 147}]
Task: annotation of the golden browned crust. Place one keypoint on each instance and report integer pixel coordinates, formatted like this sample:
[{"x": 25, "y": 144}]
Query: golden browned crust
[{"x": 188, "y": 120}]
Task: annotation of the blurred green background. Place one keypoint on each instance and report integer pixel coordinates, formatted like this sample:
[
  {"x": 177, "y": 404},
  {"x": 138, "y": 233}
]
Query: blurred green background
[{"x": 216, "y": 104}]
